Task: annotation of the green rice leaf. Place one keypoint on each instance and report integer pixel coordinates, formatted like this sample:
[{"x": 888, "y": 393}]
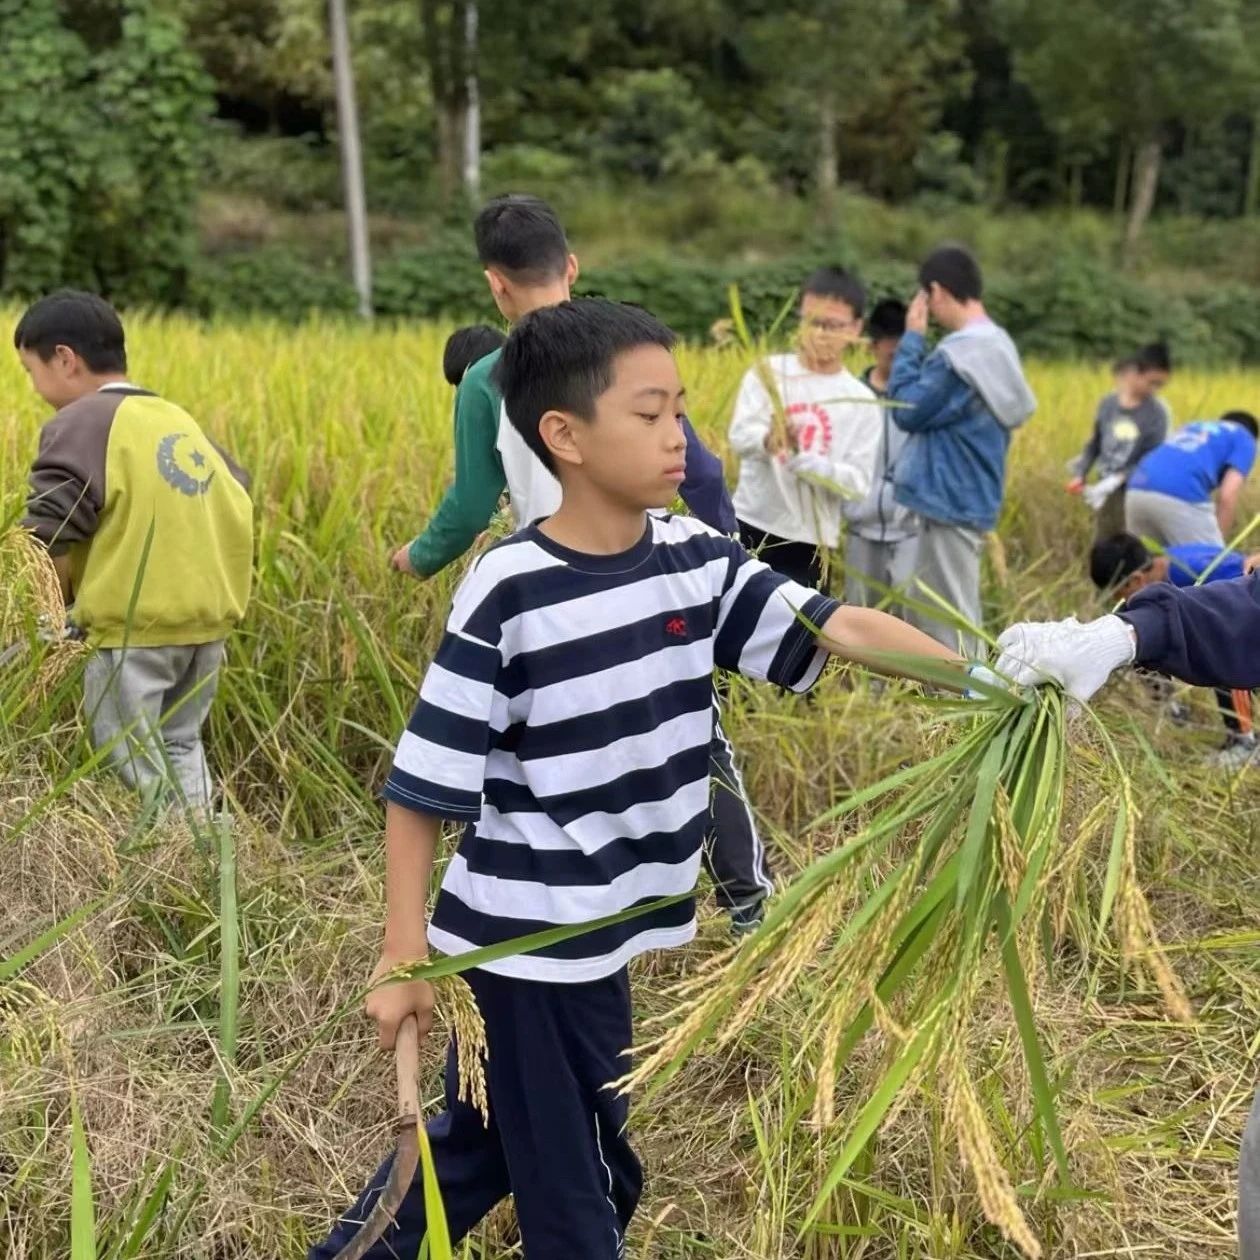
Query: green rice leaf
[
  {"x": 438, "y": 1233},
  {"x": 978, "y": 828},
  {"x": 82, "y": 1211},
  {"x": 1025, "y": 1022}
]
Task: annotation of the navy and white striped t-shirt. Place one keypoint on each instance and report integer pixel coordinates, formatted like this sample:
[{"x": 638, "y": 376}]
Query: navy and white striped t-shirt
[{"x": 567, "y": 718}]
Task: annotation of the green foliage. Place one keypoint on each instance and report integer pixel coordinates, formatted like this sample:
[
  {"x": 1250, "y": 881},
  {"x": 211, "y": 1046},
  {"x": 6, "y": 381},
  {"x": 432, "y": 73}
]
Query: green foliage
[
  {"x": 651, "y": 120},
  {"x": 154, "y": 96},
  {"x": 271, "y": 281},
  {"x": 44, "y": 155},
  {"x": 1065, "y": 305},
  {"x": 99, "y": 153}
]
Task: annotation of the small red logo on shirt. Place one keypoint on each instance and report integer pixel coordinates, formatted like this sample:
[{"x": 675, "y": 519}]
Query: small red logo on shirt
[{"x": 676, "y": 626}]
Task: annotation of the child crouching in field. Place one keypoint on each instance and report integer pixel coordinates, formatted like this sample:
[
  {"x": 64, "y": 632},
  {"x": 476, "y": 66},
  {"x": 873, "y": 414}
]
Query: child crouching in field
[
  {"x": 566, "y": 722},
  {"x": 150, "y": 527},
  {"x": 1121, "y": 566}
]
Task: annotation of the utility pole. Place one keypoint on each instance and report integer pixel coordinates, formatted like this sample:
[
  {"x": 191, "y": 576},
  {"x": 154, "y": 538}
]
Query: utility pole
[{"x": 351, "y": 156}]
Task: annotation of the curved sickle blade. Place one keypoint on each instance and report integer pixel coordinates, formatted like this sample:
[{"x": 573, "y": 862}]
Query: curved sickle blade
[
  {"x": 381, "y": 1217},
  {"x": 406, "y": 1158}
]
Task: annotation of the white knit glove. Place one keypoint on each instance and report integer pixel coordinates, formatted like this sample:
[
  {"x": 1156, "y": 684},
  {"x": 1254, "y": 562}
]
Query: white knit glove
[
  {"x": 811, "y": 464},
  {"x": 1098, "y": 494},
  {"x": 1080, "y": 658}
]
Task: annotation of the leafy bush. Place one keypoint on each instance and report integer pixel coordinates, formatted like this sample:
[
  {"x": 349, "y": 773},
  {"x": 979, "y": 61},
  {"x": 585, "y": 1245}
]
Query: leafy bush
[
  {"x": 99, "y": 153},
  {"x": 297, "y": 173},
  {"x": 272, "y": 281},
  {"x": 1073, "y": 307}
]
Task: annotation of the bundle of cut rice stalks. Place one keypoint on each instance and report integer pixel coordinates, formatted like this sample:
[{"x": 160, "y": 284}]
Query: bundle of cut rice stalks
[
  {"x": 35, "y": 652},
  {"x": 959, "y": 875}
]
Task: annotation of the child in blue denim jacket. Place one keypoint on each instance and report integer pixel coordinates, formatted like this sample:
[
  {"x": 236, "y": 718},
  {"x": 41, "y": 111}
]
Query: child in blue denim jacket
[{"x": 960, "y": 404}]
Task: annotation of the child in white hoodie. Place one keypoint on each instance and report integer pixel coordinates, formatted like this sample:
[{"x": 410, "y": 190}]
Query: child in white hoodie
[{"x": 794, "y": 478}]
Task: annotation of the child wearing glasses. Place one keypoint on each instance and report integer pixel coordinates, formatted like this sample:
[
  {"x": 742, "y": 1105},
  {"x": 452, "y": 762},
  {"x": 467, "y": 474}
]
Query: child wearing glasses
[{"x": 807, "y": 434}]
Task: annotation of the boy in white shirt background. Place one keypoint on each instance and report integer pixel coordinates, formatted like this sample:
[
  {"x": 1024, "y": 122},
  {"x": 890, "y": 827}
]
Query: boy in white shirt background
[{"x": 797, "y": 471}]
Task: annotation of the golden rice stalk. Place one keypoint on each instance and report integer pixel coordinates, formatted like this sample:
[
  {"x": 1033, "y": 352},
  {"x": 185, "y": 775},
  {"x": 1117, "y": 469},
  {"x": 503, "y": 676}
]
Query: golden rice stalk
[
  {"x": 1139, "y": 937},
  {"x": 966, "y": 1118},
  {"x": 460, "y": 1009}
]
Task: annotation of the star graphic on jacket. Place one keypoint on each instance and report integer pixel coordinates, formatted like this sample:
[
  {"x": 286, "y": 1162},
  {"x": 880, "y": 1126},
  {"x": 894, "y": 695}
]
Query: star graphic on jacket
[{"x": 198, "y": 459}]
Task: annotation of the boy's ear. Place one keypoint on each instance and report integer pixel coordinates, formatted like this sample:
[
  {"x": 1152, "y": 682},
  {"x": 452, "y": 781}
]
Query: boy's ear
[
  {"x": 571, "y": 270},
  {"x": 556, "y": 430},
  {"x": 498, "y": 286}
]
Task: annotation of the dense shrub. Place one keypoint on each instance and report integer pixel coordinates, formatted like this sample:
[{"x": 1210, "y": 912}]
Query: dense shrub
[{"x": 1071, "y": 307}]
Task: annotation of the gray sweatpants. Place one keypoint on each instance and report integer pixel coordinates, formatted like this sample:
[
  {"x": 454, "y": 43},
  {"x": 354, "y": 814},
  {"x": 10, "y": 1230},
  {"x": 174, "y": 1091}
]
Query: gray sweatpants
[
  {"x": 947, "y": 561},
  {"x": 1249, "y": 1188},
  {"x": 1171, "y": 522},
  {"x": 873, "y": 569},
  {"x": 147, "y": 706}
]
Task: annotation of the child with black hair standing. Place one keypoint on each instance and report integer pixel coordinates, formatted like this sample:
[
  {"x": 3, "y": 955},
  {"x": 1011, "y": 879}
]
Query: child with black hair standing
[
  {"x": 961, "y": 402},
  {"x": 1130, "y": 422},
  {"x": 879, "y": 552},
  {"x": 805, "y": 451}
]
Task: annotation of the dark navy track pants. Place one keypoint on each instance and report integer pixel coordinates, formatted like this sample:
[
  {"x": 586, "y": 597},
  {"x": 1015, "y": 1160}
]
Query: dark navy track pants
[{"x": 556, "y": 1137}]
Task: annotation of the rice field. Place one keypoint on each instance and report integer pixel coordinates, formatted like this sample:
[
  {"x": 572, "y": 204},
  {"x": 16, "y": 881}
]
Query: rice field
[{"x": 182, "y": 1069}]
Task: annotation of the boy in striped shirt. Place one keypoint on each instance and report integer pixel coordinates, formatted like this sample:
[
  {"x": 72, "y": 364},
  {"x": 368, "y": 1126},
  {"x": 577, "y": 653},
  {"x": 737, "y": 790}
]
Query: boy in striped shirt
[{"x": 565, "y": 721}]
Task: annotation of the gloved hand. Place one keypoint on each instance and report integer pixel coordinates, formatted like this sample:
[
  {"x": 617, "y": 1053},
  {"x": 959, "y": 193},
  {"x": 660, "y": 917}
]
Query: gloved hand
[
  {"x": 811, "y": 464},
  {"x": 1098, "y": 494},
  {"x": 1080, "y": 658}
]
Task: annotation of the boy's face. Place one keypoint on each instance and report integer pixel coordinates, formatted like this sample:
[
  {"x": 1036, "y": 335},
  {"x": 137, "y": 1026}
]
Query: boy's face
[
  {"x": 58, "y": 381},
  {"x": 634, "y": 452},
  {"x": 828, "y": 328},
  {"x": 1148, "y": 384},
  {"x": 885, "y": 351}
]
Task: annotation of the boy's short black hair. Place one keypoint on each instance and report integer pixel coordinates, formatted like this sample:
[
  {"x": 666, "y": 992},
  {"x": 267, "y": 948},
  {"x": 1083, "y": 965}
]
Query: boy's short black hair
[
  {"x": 521, "y": 236},
  {"x": 1246, "y": 419},
  {"x": 560, "y": 358},
  {"x": 955, "y": 270},
  {"x": 1116, "y": 559},
  {"x": 887, "y": 320},
  {"x": 83, "y": 321},
  {"x": 839, "y": 286},
  {"x": 1154, "y": 357},
  {"x": 465, "y": 346}
]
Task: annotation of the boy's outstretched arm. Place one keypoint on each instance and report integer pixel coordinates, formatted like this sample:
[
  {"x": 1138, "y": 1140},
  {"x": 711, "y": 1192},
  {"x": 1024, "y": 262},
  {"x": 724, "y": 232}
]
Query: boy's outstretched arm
[
  {"x": 410, "y": 841},
  {"x": 471, "y": 500},
  {"x": 884, "y": 643},
  {"x": 1204, "y": 635}
]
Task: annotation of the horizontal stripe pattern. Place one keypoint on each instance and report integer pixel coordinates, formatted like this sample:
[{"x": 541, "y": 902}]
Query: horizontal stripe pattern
[{"x": 567, "y": 719}]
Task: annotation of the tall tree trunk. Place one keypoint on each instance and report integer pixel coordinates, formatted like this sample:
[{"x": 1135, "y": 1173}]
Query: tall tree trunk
[
  {"x": 827, "y": 177},
  {"x": 445, "y": 36},
  {"x": 1251, "y": 192},
  {"x": 450, "y": 148},
  {"x": 1146, "y": 163},
  {"x": 472, "y": 111},
  {"x": 1124, "y": 167},
  {"x": 351, "y": 156}
]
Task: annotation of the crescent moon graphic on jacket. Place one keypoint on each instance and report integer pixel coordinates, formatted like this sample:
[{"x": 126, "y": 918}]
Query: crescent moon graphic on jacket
[{"x": 185, "y": 466}]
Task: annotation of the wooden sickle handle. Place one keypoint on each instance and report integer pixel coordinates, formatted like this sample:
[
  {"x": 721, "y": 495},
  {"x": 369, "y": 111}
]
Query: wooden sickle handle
[{"x": 406, "y": 1062}]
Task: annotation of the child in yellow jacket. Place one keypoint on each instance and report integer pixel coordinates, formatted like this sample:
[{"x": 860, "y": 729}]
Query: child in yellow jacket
[{"x": 150, "y": 526}]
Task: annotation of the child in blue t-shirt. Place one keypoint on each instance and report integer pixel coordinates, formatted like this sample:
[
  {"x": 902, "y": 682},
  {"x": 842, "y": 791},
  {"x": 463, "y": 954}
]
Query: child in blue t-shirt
[
  {"x": 565, "y": 722},
  {"x": 1121, "y": 566},
  {"x": 1170, "y": 492}
]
